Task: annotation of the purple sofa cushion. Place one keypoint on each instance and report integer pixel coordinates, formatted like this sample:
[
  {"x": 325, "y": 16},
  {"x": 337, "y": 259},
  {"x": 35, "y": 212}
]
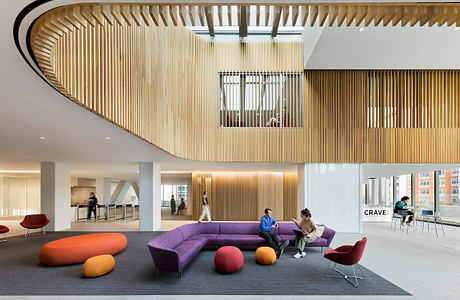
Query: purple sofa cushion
[
  {"x": 168, "y": 240},
  {"x": 209, "y": 239},
  {"x": 207, "y": 228},
  {"x": 239, "y": 228},
  {"x": 290, "y": 238},
  {"x": 286, "y": 228},
  {"x": 188, "y": 230},
  {"x": 188, "y": 249},
  {"x": 239, "y": 240}
]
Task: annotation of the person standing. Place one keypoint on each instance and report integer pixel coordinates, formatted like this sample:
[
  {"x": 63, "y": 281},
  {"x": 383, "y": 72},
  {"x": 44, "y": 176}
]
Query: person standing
[
  {"x": 307, "y": 233},
  {"x": 173, "y": 205},
  {"x": 265, "y": 232},
  {"x": 92, "y": 204},
  {"x": 205, "y": 208}
]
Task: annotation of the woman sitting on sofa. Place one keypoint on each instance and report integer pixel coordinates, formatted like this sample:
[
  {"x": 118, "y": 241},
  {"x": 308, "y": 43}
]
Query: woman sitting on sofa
[{"x": 307, "y": 233}]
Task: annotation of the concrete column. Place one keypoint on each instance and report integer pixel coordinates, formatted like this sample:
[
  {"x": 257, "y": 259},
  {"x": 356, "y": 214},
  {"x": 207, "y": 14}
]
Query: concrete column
[
  {"x": 103, "y": 190},
  {"x": 149, "y": 196},
  {"x": 55, "y": 194},
  {"x": 332, "y": 192}
]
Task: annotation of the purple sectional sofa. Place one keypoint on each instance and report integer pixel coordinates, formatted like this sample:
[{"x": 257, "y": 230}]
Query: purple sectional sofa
[{"x": 173, "y": 250}]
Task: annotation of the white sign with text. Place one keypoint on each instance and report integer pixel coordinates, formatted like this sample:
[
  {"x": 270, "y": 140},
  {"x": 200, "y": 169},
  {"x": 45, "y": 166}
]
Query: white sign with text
[{"x": 377, "y": 214}]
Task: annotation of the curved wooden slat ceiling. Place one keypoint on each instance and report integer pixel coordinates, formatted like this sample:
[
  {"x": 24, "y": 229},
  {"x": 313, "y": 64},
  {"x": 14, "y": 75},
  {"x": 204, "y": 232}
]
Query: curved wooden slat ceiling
[{"x": 160, "y": 83}]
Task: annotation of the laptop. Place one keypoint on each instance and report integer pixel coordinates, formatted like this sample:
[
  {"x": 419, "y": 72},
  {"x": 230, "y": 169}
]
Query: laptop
[{"x": 299, "y": 233}]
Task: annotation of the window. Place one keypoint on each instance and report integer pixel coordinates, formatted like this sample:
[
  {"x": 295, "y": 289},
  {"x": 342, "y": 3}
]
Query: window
[
  {"x": 167, "y": 190},
  {"x": 442, "y": 191},
  {"x": 424, "y": 175},
  {"x": 425, "y": 183},
  {"x": 442, "y": 182},
  {"x": 260, "y": 99},
  {"x": 454, "y": 172},
  {"x": 455, "y": 191},
  {"x": 454, "y": 181},
  {"x": 424, "y": 192},
  {"x": 442, "y": 173}
]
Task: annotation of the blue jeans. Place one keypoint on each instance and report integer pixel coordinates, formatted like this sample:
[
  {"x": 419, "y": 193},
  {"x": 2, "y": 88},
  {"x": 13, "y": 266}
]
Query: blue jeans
[{"x": 91, "y": 209}]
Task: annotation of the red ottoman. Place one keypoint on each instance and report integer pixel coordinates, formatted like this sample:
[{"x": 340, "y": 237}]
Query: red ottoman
[
  {"x": 3, "y": 230},
  {"x": 228, "y": 259}
]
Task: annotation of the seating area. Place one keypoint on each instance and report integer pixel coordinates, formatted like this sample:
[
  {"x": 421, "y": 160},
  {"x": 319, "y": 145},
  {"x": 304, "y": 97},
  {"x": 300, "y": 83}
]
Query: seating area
[{"x": 173, "y": 250}]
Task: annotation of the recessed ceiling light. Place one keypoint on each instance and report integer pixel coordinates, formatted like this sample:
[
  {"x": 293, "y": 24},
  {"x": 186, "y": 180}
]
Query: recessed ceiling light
[
  {"x": 108, "y": 138},
  {"x": 42, "y": 137},
  {"x": 361, "y": 29},
  {"x": 457, "y": 28}
]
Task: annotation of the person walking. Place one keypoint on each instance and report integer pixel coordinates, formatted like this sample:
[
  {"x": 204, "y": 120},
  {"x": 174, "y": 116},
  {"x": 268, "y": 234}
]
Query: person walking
[
  {"x": 173, "y": 205},
  {"x": 92, "y": 204},
  {"x": 205, "y": 208}
]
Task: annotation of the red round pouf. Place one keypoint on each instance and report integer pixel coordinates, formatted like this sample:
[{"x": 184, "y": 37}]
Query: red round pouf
[{"x": 228, "y": 259}]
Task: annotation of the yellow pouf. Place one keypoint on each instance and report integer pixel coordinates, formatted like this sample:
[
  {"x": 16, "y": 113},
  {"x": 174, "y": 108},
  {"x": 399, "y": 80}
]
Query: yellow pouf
[
  {"x": 98, "y": 265},
  {"x": 265, "y": 255}
]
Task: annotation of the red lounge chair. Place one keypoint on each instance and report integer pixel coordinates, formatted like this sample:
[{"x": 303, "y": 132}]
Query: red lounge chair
[
  {"x": 35, "y": 222},
  {"x": 4, "y": 230},
  {"x": 349, "y": 256}
]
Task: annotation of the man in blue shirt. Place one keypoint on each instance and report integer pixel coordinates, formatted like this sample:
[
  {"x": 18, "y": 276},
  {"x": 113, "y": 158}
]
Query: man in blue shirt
[
  {"x": 402, "y": 205},
  {"x": 92, "y": 204},
  {"x": 265, "y": 232}
]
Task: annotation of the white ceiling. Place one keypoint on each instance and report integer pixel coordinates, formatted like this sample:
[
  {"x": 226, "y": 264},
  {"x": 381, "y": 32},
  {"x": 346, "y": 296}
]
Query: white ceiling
[{"x": 378, "y": 47}]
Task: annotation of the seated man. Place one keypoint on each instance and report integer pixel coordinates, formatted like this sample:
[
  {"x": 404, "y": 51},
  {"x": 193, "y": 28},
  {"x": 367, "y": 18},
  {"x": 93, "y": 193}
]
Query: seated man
[
  {"x": 181, "y": 205},
  {"x": 265, "y": 232},
  {"x": 402, "y": 205}
]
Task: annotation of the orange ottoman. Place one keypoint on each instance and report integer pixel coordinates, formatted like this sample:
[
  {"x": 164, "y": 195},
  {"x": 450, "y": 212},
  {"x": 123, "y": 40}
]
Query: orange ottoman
[
  {"x": 77, "y": 249},
  {"x": 98, "y": 265},
  {"x": 265, "y": 255}
]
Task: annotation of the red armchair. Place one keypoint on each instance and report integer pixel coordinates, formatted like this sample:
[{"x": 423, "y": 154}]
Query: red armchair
[
  {"x": 349, "y": 256},
  {"x": 35, "y": 222},
  {"x": 4, "y": 230}
]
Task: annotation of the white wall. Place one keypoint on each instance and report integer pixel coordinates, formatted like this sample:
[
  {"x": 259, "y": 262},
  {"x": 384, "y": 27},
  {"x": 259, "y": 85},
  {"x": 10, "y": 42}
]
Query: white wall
[
  {"x": 381, "y": 47},
  {"x": 333, "y": 195}
]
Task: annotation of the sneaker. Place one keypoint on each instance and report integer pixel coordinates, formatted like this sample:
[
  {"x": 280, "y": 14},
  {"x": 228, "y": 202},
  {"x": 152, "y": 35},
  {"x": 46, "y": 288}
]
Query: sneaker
[
  {"x": 297, "y": 255},
  {"x": 303, "y": 254},
  {"x": 409, "y": 224}
]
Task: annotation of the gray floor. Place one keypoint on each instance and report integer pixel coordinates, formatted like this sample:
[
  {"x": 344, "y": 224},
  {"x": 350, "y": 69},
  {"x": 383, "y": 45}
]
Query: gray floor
[
  {"x": 135, "y": 274},
  {"x": 428, "y": 267}
]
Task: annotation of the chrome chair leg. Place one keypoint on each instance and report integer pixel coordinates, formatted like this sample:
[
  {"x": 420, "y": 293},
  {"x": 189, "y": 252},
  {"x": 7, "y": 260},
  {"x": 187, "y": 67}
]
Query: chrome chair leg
[
  {"x": 5, "y": 238},
  {"x": 27, "y": 232},
  {"x": 346, "y": 277},
  {"x": 43, "y": 230}
]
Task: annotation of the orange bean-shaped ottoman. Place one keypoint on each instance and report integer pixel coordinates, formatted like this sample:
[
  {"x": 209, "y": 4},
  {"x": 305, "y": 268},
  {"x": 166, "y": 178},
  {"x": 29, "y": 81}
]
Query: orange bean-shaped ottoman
[
  {"x": 77, "y": 249},
  {"x": 265, "y": 255},
  {"x": 98, "y": 265}
]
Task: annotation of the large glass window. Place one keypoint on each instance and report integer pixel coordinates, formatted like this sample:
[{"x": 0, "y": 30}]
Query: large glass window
[
  {"x": 449, "y": 206},
  {"x": 178, "y": 190},
  {"x": 424, "y": 190},
  {"x": 260, "y": 99}
]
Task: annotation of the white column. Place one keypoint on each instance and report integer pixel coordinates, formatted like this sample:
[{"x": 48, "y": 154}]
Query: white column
[
  {"x": 103, "y": 190},
  {"x": 332, "y": 192},
  {"x": 149, "y": 196},
  {"x": 55, "y": 194}
]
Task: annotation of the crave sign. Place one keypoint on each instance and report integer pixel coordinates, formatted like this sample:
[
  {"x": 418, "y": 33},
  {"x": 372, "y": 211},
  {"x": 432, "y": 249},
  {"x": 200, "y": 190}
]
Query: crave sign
[{"x": 377, "y": 214}]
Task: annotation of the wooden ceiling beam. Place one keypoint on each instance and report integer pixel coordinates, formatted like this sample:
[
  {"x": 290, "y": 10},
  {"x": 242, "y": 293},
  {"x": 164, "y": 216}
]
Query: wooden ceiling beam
[
  {"x": 285, "y": 15},
  {"x": 183, "y": 15},
  {"x": 257, "y": 15},
  {"x": 455, "y": 17},
  {"x": 381, "y": 10},
  {"x": 154, "y": 15},
  {"x": 360, "y": 15},
  {"x": 86, "y": 14},
  {"x": 295, "y": 15},
  {"x": 333, "y": 12},
  {"x": 219, "y": 14},
  {"x": 389, "y": 15},
  {"x": 351, "y": 14},
  {"x": 398, "y": 15},
  {"x": 201, "y": 15},
  {"x": 343, "y": 10},
  {"x": 313, "y": 14},
  {"x": 121, "y": 13},
  {"x": 305, "y": 10},
  {"x": 97, "y": 14},
  {"x": 408, "y": 15},
  {"x": 162, "y": 10},
  {"x": 135, "y": 14},
  {"x": 209, "y": 19},
  {"x": 276, "y": 20},
  {"x": 229, "y": 15},
  {"x": 173, "y": 14},
  {"x": 144, "y": 11},
  {"x": 323, "y": 12},
  {"x": 267, "y": 14},
  {"x": 191, "y": 14},
  {"x": 105, "y": 11},
  {"x": 370, "y": 15}
]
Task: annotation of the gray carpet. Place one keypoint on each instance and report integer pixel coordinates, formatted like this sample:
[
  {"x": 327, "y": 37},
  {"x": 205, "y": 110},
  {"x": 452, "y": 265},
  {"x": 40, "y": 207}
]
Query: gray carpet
[{"x": 135, "y": 274}]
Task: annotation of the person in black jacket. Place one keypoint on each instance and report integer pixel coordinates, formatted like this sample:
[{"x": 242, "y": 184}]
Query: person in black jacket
[{"x": 92, "y": 204}]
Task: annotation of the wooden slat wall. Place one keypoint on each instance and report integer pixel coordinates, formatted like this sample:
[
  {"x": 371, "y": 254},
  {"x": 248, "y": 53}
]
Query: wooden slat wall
[
  {"x": 162, "y": 86},
  {"x": 244, "y": 196}
]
